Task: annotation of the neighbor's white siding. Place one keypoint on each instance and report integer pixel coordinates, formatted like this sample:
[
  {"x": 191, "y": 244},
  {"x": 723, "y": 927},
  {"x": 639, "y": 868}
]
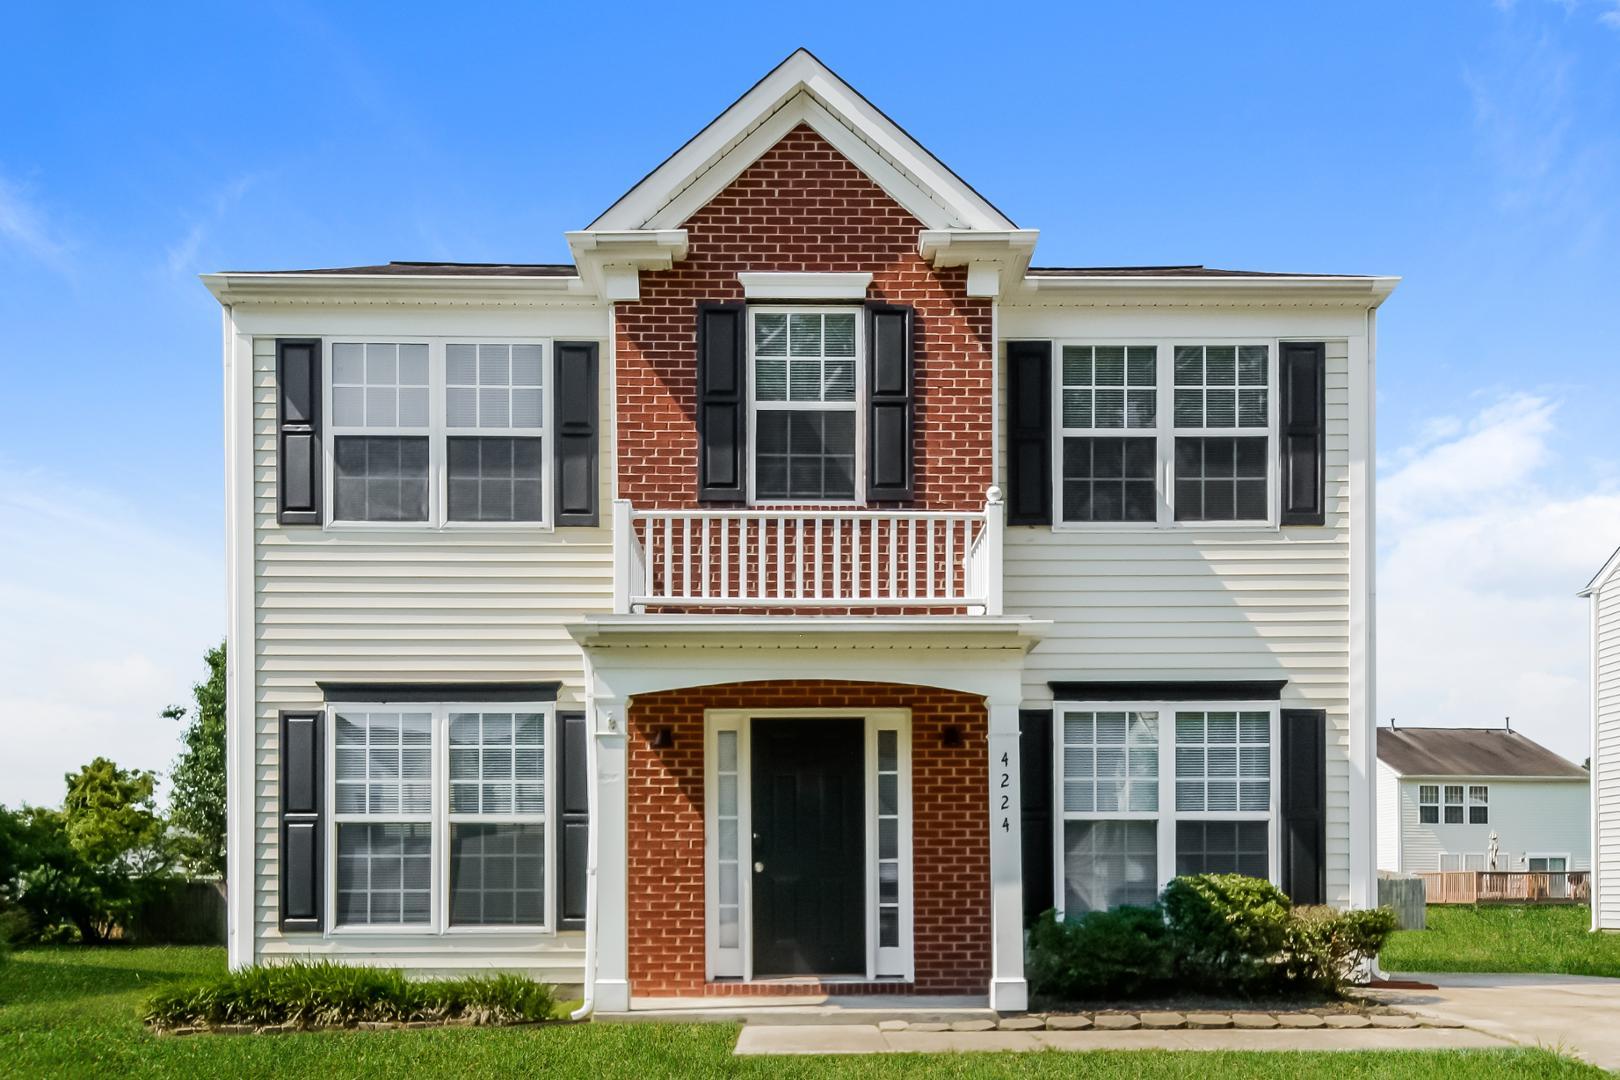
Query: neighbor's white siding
[
  {"x": 1542, "y": 816},
  {"x": 1389, "y": 818},
  {"x": 410, "y": 605},
  {"x": 1606, "y": 760},
  {"x": 1203, "y": 602}
]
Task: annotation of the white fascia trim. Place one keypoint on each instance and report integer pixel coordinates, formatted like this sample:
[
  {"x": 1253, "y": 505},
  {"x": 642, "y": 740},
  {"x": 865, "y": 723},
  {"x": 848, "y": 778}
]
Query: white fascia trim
[
  {"x": 611, "y": 261},
  {"x": 807, "y": 286},
  {"x": 1601, "y": 578},
  {"x": 229, "y": 288},
  {"x": 1368, "y": 292},
  {"x": 813, "y": 632},
  {"x": 996, "y": 259},
  {"x": 801, "y": 73}
]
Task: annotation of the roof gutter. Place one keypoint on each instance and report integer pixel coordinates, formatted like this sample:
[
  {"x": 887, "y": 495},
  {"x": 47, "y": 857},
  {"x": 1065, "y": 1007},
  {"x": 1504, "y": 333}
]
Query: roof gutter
[{"x": 1367, "y": 292}]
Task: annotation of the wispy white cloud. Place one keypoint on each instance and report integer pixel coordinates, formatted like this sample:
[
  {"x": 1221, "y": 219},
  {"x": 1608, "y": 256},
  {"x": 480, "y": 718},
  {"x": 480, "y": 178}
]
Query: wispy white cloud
[
  {"x": 103, "y": 620},
  {"x": 25, "y": 228},
  {"x": 1481, "y": 556},
  {"x": 181, "y": 256}
]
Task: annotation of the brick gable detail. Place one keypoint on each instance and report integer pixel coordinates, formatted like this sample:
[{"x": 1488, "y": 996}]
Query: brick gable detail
[
  {"x": 950, "y": 835},
  {"x": 803, "y": 207}
]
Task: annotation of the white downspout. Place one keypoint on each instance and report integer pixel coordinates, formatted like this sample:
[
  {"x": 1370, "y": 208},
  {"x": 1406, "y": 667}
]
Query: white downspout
[{"x": 588, "y": 1006}]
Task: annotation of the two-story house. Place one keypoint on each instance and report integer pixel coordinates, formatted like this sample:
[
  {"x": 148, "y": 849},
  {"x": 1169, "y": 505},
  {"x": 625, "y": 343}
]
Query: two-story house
[{"x": 795, "y": 592}]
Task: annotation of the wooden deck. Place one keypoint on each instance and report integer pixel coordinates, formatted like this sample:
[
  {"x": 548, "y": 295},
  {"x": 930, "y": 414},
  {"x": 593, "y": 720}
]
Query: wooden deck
[{"x": 1507, "y": 887}]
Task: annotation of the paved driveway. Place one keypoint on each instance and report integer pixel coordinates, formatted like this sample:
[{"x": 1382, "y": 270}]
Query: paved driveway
[{"x": 1574, "y": 1014}]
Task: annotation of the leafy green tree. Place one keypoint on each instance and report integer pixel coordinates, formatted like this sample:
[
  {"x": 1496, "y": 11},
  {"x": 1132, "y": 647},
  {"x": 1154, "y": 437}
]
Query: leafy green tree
[
  {"x": 45, "y": 879},
  {"x": 197, "y": 794}
]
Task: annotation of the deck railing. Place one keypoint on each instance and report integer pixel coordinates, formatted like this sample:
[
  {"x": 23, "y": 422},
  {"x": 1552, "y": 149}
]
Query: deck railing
[
  {"x": 1507, "y": 886},
  {"x": 894, "y": 561}
]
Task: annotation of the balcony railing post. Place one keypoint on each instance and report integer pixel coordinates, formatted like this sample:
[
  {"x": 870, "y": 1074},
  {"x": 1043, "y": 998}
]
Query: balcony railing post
[
  {"x": 994, "y": 518},
  {"x": 624, "y": 540}
]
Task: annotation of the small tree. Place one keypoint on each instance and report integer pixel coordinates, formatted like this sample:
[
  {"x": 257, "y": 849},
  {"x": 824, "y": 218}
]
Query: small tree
[
  {"x": 197, "y": 795},
  {"x": 112, "y": 822}
]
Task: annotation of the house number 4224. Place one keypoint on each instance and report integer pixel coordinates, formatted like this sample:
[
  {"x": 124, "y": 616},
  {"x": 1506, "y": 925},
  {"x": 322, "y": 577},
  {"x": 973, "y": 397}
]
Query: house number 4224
[{"x": 1003, "y": 793}]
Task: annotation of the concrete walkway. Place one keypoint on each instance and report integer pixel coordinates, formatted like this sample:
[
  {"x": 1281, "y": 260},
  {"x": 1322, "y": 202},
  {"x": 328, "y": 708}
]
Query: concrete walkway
[
  {"x": 1573, "y": 1014},
  {"x": 868, "y": 1039}
]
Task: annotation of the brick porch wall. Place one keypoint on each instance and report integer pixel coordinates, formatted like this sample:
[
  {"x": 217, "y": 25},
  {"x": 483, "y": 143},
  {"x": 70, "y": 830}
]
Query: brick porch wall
[
  {"x": 802, "y": 207},
  {"x": 950, "y": 834}
]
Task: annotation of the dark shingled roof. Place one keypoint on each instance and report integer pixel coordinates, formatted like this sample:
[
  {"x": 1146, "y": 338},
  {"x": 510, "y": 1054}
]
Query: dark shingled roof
[
  {"x": 439, "y": 269},
  {"x": 1163, "y": 271},
  {"x": 1470, "y": 752}
]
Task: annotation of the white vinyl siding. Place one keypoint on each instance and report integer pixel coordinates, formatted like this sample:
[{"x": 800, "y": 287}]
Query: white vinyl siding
[
  {"x": 1606, "y": 701},
  {"x": 1389, "y": 818},
  {"x": 476, "y": 603},
  {"x": 1219, "y": 601},
  {"x": 1527, "y": 815}
]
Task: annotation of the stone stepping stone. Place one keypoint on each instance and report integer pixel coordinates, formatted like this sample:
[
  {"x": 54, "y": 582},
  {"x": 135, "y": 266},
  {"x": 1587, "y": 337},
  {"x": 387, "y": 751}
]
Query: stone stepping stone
[
  {"x": 1254, "y": 1021},
  {"x": 1393, "y": 1020},
  {"x": 1206, "y": 1020},
  {"x": 974, "y": 1025},
  {"x": 1299, "y": 1020},
  {"x": 1068, "y": 1023},
  {"x": 1347, "y": 1020},
  {"x": 1116, "y": 1022},
  {"x": 1163, "y": 1021},
  {"x": 1021, "y": 1023}
]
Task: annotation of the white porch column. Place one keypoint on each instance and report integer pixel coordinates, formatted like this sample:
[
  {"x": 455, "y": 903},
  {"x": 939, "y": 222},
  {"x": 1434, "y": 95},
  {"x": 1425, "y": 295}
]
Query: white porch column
[
  {"x": 1008, "y": 990},
  {"x": 612, "y": 981}
]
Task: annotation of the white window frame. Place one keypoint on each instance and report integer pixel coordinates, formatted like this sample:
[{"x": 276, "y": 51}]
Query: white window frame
[
  {"x": 859, "y": 404},
  {"x": 438, "y": 433},
  {"x": 897, "y": 962},
  {"x": 1469, "y": 802},
  {"x": 1529, "y": 855},
  {"x": 1167, "y": 816},
  {"x": 1461, "y": 803},
  {"x": 1164, "y": 432},
  {"x": 440, "y": 819}
]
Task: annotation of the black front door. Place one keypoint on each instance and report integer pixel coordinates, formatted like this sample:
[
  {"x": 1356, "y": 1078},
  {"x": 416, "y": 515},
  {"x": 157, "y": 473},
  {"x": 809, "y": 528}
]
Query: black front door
[{"x": 809, "y": 845}]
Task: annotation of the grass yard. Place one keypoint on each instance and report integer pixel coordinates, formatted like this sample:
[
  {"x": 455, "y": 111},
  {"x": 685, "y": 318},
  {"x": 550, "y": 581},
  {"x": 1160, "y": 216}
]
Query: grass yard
[
  {"x": 73, "y": 1012},
  {"x": 1549, "y": 940}
]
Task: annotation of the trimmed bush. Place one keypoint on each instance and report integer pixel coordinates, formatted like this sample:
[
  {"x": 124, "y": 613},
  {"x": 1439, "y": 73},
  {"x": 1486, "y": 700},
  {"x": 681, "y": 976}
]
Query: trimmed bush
[
  {"x": 325, "y": 994},
  {"x": 1102, "y": 954},
  {"x": 1324, "y": 948},
  {"x": 1226, "y": 929}
]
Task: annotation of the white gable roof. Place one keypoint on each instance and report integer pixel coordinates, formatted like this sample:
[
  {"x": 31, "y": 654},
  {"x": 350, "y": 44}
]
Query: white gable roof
[{"x": 801, "y": 90}]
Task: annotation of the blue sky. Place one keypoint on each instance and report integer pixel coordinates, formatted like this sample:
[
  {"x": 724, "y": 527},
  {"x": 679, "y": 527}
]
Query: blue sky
[{"x": 1473, "y": 148}]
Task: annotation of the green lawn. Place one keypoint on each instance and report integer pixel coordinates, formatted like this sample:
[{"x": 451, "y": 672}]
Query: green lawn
[
  {"x": 1549, "y": 939},
  {"x": 73, "y": 1012}
]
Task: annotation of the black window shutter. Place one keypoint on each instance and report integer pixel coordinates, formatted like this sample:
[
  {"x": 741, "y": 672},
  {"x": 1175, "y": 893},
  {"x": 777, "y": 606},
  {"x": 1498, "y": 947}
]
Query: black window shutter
[
  {"x": 1303, "y": 369},
  {"x": 573, "y": 800},
  {"x": 890, "y": 403},
  {"x": 1035, "y": 789},
  {"x": 1029, "y": 433},
  {"x": 576, "y": 442},
  {"x": 302, "y": 892},
  {"x": 298, "y": 431},
  {"x": 1304, "y": 805},
  {"x": 721, "y": 408}
]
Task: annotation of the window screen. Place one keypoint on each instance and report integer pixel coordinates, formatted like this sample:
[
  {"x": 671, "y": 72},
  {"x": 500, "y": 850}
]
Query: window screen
[
  {"x": 380, "y": 478},
  {"x": 1109, "y": 479},
  {"x": 1429, "y": 804},
  {"x": 1454, "y": 804},
  {"x": 1110, "y": 762},
  {"x": 1479, "y": 810},
  {"x": 495, "y": 479},
  {"x": 385, "y": 873},
  {"x": 497, "y": 874},
  {"x": 804, "y": 366},
  {"x": 1220, "y": 478},
  {"x": 1223, "y": 847},
  {"x": 1107, "y": 864},
  {"x": 497, "y": 770}
]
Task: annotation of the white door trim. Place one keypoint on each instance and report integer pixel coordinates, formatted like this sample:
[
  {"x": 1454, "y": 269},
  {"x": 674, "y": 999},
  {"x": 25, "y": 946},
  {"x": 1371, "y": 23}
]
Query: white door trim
[{"x": 737, "y": 961}]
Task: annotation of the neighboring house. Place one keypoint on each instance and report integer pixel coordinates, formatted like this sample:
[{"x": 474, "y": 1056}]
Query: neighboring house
[
  {"x": 797, "y": 590},
  {"x": 1444, "y": 792},
  {"x": 1604, "y": 592}
]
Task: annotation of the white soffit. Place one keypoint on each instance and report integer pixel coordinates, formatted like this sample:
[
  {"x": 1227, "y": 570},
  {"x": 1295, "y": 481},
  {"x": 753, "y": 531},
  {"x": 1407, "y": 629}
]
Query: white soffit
[
  {"x": 806, "y": 286},
  {"x": 802, "y": 90}
]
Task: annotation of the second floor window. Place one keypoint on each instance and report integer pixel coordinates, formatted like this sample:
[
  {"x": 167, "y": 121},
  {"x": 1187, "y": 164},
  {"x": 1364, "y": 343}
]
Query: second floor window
[
  {"x": 804, "y": 409},
  {"x": 437, "y": 432}
]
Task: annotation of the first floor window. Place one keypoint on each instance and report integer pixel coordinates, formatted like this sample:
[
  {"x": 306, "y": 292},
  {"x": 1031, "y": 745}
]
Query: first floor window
[
  {"x": 1429, "y": 804},
  {"x": 1543, "y": 864},
  {"x": 405, "y": 781},
  {"x": 803, "y": 366},
  {"x": 1149, "y": 792}
]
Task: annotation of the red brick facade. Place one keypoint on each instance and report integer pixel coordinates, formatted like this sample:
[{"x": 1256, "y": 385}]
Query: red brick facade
[
  {"x": 950, "y": 834},
  {"x": 803, "y": 207}
]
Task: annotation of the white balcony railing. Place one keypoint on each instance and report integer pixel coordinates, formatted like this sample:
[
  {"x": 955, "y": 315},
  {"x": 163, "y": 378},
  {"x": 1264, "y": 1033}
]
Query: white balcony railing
[{"x": 892, "y": 561}]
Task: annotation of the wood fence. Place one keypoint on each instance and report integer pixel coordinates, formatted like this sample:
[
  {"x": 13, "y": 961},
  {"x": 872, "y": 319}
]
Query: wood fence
[{"x": 1507, "y": 887}]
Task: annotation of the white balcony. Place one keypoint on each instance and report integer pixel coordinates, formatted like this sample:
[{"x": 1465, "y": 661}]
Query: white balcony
[{"x": 808, "y": 561}]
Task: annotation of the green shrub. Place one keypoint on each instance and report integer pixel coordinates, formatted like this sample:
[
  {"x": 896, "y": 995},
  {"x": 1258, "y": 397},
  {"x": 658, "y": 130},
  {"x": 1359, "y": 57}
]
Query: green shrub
[
  {"x": 1324, "y": 948},
  {"x": 325, "y": 994},
  {"x": 1227, "y": 930},
  {"x": 1102, "y": 954}
]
